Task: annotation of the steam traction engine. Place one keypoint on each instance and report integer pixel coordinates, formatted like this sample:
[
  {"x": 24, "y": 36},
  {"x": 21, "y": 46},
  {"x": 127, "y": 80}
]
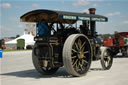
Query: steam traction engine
[
  {"x": 68, "y": 43},
  {"x": 118, "y": 43}
]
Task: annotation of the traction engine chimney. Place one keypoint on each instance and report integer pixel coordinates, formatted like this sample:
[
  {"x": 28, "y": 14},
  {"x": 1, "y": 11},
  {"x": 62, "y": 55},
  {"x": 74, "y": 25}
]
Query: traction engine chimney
[{"x": 92, "y": 23}]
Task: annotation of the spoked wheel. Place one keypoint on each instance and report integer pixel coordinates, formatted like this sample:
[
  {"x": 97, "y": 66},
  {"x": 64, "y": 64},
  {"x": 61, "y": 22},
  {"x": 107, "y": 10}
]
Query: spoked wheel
[
  {"x": 106, "y": 58},
  {"x": 77, "y": 54},
  {"x": 38, "y": 62}
]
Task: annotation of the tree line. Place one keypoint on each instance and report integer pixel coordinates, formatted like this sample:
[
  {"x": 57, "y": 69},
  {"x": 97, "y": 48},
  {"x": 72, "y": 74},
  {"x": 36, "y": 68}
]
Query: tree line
[{"x": 105, "y": 36}]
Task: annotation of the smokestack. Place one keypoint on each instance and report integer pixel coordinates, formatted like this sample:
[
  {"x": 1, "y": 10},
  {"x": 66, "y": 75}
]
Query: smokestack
[
  {"x": 92, "y": 10},
  {"x": 92, "y": 23}
]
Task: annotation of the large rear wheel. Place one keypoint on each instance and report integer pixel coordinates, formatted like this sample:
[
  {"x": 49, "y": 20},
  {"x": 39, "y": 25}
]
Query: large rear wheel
[
  {"x": 38, "y": 62},
  {"x": 77, "y": 54}
]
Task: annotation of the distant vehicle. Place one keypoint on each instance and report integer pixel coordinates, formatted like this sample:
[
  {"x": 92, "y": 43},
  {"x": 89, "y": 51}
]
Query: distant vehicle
[
  {"x": 119, "y": 42},
  {"x": 66, "y": 44},
  {"x": 2, "y": 44}
]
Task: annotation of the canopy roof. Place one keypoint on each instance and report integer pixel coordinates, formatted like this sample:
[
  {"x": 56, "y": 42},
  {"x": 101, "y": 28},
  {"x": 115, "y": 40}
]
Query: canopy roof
[{"x": 60, "y": 16}]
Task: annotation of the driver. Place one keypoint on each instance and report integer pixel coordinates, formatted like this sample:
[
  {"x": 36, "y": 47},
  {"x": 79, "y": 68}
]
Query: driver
[{"x": 42, "y": 28}]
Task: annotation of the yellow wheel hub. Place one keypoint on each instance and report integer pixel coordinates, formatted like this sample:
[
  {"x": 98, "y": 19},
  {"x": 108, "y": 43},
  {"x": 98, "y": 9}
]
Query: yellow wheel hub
[{"x": 81, "y": 55}]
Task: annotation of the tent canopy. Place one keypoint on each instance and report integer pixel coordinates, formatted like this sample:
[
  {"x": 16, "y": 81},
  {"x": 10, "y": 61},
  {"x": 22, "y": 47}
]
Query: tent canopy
[{"x": 29, "y": 39}]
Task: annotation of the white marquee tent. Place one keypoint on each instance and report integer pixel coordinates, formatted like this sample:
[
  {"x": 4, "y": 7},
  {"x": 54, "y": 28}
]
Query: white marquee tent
[{"x": 29, "y": 40}]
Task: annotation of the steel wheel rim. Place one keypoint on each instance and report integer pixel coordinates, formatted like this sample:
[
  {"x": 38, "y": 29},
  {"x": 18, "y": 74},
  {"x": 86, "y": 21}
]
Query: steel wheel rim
[{"x": 80, "y": 55}]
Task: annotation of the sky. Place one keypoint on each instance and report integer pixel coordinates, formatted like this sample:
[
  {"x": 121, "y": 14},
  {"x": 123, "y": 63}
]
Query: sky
[{"x": 115, "y": 10}]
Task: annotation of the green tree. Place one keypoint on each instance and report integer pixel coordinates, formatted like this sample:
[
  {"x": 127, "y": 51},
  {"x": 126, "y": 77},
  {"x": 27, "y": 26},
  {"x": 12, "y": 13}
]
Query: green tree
[{"x": 17, "y": 35}]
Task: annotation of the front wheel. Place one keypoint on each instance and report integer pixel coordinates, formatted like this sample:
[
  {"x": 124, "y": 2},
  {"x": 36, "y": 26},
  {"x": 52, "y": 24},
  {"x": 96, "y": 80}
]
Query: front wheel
[
  {"x": 106, "y": 58},
  {"x": 38, "y": 62},
  {"x": 77, "y": 54}
]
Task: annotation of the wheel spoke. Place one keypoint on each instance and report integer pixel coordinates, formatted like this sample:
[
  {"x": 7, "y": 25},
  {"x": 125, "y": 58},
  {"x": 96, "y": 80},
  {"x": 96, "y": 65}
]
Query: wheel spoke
[
  {"x": 82, "y": 45},
  {"x": 79, "y": 43},
  {"x": 77, "y": 66},
  {"x": 82, "y": 62},
  {"x": 108, "y": 58},
  {"x": 80, "y": 66},
  {"x": 82, "y": 50},
  {"x": 84, "y": 57},
  {"x": 107, "y": 62},
  {"x": 85, "y": 61},
  {"x": 73, "y": 56},
  {"x": 72, "y": 61},
  {"x": 85, "y": 52},
  {"x": 76, "y": 46},
  {"x": 75, "y": 63},
  {"x": 74, "y": 50}
]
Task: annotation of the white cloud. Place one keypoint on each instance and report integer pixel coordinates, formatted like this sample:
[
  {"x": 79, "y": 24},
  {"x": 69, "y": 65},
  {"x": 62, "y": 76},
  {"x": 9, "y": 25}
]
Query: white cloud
[
  {"x": 5, "y": 5},
  {"x": 81, "y": 3},
  {"x": 35, "y": 5},
  {"x": 4, "y": 28},
  {"x": 56, "y": 9},
  {"x": 62, "y": 1},
  {"x": 8, "y": 31},
  {"x": 109, "y": 4},
  {"x": 20, "y": 26},
  {"x": 17, "y": 7},
  {"x": 124, "y": 22},
  {"x": 85, "y": 10},
  {"x": 95, "y": 5},
  {"x": 113, "y": 14},
  {"x": 13, "y": 19}
]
